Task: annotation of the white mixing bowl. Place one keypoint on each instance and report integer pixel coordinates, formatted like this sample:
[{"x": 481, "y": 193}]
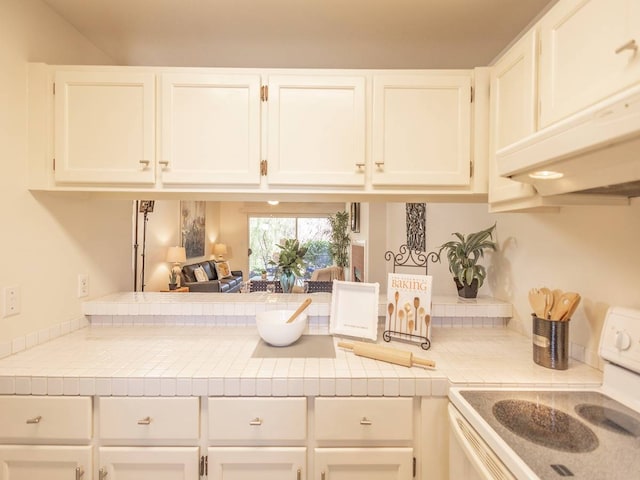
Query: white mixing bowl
[{"x": 274, "y": 330}]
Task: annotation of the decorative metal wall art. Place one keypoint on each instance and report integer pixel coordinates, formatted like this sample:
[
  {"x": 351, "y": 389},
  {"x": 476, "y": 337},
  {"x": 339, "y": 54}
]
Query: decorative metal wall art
[{"x": 416, "y": 226}]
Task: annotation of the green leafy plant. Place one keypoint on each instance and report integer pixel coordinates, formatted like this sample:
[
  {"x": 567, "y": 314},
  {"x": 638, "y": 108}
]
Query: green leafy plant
[
  {"x": 291, "y": 257},
  {"x": 463, "y": 255},
  {"x": 173, "y": 276},
  {"x": 340, "y": 240}
]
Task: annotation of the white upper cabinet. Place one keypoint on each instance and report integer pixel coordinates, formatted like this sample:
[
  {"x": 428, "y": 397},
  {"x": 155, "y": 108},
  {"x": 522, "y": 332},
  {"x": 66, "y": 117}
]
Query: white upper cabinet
[
  {"x": 512, "y": 112},
  {"x": 316, "y": 130},
  {"x": 589, "y": 50},
  {"x": 421, "y": 129},
  {"x": 210, "y": 129},
  {"x": 104, "y": 127}
]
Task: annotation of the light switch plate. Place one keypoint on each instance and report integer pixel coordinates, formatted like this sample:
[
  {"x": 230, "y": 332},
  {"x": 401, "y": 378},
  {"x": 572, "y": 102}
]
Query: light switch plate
[
  {"x": 83, "y": 285},
  {"x": 11, "y": 297}
]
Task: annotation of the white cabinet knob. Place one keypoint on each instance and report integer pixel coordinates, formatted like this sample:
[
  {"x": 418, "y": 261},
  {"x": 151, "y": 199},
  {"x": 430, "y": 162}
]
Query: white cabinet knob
[{"x": 623, "y": 340}]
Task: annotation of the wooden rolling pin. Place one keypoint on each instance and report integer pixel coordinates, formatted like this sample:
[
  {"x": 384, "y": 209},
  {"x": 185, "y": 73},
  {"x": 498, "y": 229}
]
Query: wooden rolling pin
[{"x": 386, "y": 354}]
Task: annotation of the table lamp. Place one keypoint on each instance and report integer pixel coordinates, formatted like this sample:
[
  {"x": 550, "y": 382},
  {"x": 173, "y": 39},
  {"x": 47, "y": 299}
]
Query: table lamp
[
  {"x": 219, "y": 250},
  {"x": 176, "y": 255}
]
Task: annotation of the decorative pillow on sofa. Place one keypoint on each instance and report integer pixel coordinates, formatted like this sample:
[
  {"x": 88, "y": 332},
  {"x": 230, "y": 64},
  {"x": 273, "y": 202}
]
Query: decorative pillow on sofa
[
  {"x": 223, "y": 270},
  {"x": 201, "y": 275}
]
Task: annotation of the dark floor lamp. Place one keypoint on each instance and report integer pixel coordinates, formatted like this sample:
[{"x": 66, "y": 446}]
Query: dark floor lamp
[{"x": 146, "y": 207}]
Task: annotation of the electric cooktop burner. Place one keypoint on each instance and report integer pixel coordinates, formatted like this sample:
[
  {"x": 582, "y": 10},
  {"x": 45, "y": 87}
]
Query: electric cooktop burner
[
  {"x": 545, "y": 426},
  {"x": 612, "y": 420},
  {"x": 581, "y": 433}
]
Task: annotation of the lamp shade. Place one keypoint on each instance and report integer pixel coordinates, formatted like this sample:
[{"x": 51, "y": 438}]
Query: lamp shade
[
  {"x": 176, "y": 255},
  {"x": 219, "y": 249}
]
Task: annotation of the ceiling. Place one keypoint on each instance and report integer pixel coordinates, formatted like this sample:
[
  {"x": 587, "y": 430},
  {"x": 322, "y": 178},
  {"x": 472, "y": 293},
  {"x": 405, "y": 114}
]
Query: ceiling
[{"x": 301, "y": 33}]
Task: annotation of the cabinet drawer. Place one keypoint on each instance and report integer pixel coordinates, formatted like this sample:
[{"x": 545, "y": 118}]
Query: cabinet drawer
[
  {"x": 364, "y": 418},
  {"x": 27, "y": 419},
  {"x": 171, "y": 419},
  {"x": 252, "y": 419}
]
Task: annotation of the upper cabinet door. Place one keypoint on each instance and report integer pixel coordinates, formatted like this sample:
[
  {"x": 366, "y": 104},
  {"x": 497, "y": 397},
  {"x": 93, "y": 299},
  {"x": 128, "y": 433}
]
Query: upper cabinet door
[
  {"x": 210, "y": 129},
  {"x": 104, "y": 127},
  {"x": 316, "y": 130},
  {"x": 586, "y": 54},
  {"x": 422, "y": 129},
  {"x": 513, "y": 112}
]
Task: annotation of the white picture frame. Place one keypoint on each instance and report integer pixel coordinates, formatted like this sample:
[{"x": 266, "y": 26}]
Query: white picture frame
[{"x": 354, "y": 309}]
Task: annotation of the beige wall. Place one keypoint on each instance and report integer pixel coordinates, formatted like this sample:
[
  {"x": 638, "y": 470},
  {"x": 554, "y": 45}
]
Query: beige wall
[
  {"x": 589, "y": 250},
  {"x": 47, "y": 240}
]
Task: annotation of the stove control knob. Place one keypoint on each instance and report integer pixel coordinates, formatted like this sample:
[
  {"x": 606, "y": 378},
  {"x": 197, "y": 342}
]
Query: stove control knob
[{"x": 623, "y": 340}]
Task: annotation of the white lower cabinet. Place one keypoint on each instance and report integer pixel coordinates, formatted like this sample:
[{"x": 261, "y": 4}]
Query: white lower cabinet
[
  {"x": 363, "y": 464},
  {"x": 363, "y": 439},
  {"x": 265, "y": 463},
  {"x": 261, "y": 438},
  {"x": 178, "y": 438},
  {"x": 149, "y": 463},
  {"x": 32, "y": 462},
  {"x": 45, "y": 437},
  {"x": 146, "y": 438}
]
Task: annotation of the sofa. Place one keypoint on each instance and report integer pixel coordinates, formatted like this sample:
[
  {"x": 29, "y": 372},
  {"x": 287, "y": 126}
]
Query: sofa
[{"x": 230, "y": 284}]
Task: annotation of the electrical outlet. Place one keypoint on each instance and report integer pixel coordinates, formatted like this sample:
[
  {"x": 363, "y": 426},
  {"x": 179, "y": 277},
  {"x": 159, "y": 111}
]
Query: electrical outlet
[
  {"x": 83, "y": 285},
  {"x": 11, "y": 301}
]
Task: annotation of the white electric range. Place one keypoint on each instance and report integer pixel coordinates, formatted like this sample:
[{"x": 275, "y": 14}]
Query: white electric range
[{"x": 554, "y": 434}]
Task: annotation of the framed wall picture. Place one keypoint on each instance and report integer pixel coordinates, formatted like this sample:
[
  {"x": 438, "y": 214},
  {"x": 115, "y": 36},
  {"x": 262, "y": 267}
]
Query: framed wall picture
[
  {"x": 192, "y": 227},
  {"x": 355, "y": 217}
]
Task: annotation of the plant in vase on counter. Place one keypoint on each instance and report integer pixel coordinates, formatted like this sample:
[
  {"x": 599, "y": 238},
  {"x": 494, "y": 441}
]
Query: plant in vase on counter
[
  {"x": 290, "y": 262},
  {"x": 463, "y": 255}
]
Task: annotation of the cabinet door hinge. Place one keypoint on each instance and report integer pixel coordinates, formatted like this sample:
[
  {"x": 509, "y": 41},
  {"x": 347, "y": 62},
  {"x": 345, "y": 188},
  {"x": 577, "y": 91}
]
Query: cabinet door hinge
[
  {"x": 204, "y": 466},
  {"x": 471, "y": 94},
  {"x": 264, "y": 93},
  {"x": 414, "y": 467},
  {"x": 264, "y": 167}
]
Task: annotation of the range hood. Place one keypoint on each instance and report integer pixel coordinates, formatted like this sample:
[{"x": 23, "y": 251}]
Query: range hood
[{"x": 596, "y": 151}]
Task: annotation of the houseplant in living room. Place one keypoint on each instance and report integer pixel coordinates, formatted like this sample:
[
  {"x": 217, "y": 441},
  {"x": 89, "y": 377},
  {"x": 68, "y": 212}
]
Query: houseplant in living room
[
  {"x": 340, "y": 240},
  {"x": 290, "y": 262},
  {"x": 463, "y": 255}
]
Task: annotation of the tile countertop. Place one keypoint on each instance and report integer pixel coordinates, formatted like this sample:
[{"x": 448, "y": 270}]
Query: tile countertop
[
  {"x": 204, "y": 304},
  {"x": 211, "y": 360}
]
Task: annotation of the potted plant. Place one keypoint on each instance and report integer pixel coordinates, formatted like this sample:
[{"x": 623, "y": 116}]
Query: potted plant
[
  {"x": 263, "y": 274},
  {"x": 173, "y": 279},
  {"x": 463, "y": 255},
  {"x": 290, "y": 262},
  {"x": 339, "y": 246}
]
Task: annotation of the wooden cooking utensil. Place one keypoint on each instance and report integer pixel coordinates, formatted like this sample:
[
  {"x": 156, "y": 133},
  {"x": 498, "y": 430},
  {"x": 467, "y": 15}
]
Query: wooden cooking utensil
[
  {"x": 575, "y": 300},
  {"x": 390, "y": 310},
  {"x": 548, "y": 301},
  {"x": 564, "y": 305},
  {"x": 537, "y": 300},
  {"x": 557, "y": 293},
  {"x": 300, "y": 309},
  {"x": 386, "y": 354}
]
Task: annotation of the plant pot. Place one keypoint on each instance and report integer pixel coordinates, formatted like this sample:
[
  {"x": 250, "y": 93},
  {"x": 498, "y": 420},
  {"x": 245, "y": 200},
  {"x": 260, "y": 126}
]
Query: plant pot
[
  {"x": 173, "y": 286},
  {"x": 467, "y": 291},
  {"x": 287, "y": 281}
]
